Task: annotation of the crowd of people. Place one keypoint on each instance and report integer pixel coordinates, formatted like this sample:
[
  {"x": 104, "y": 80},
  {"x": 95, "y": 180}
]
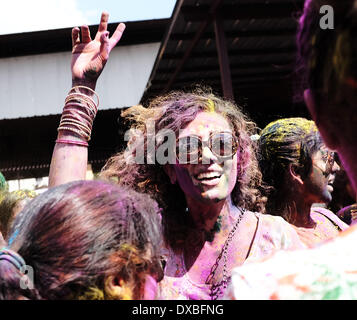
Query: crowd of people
[{"x": 202, "y": 204}]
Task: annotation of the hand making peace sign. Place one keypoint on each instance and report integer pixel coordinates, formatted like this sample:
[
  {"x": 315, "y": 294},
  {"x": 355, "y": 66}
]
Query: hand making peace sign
[{"x": 90, "y": 56}]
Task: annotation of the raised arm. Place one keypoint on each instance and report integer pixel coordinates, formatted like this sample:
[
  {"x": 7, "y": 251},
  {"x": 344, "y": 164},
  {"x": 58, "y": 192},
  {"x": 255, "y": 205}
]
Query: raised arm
[{"x": 70, "y": 154}]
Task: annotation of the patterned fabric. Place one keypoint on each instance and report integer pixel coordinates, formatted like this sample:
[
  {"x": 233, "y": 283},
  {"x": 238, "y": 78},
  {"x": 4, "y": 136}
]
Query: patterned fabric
[
  {"x": 326, "y": 272},
  {"x": 272, "y": 233}
]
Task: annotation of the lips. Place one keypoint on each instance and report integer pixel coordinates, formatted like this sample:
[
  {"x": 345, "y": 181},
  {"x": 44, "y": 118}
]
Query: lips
[
  {"x": 208, "y": 178},
  {"x": 330, "y": 185}
]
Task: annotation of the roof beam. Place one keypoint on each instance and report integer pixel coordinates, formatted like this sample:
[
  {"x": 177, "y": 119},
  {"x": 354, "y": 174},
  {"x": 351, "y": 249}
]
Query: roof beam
[
  {"x": 223, "y": 59},
  {"x": 244, "y": 78},
  {"x": 240, "y": 51},
  {"x": 290, "y": 32},
  {"x": 244, "y": 11},
  {"x": 278, "y": 63},
  {"x": 194, "y": 41}
]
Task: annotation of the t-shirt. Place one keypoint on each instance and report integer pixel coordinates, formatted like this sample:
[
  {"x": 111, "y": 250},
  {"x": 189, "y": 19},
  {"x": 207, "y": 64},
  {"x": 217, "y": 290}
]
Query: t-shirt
[
  {"x": 272, "y": 233},
  {"x": 328, "y": 226},
  {"x": 326, "y": 272}
]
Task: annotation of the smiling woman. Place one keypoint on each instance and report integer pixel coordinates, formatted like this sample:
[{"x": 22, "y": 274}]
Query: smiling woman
[{"x": 206, "y": 199}]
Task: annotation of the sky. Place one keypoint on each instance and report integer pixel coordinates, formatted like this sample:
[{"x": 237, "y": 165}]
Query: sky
[{"x": 18, "y": 16}]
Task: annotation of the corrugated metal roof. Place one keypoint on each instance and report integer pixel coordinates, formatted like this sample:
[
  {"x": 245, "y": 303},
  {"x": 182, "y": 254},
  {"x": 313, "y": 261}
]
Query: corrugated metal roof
[{"x": 260, "y": 42}]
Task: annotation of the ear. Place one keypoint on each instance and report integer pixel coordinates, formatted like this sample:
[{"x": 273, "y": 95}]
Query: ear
[
  {"x": 117, "y": 288},
  {"x": 322, "y": 120},
  {"x": 170, "y": 171},
  {"x": 295, "y": 175}
]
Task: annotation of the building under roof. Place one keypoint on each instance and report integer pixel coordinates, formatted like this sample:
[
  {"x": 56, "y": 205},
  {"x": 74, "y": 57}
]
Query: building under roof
[
  {"x": 243, "y": 49},
  {"x": 35, "y": 77}
]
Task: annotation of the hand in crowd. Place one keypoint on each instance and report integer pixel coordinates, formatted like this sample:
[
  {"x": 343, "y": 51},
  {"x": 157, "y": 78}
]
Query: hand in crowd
[{"x": 90, "y": 56}]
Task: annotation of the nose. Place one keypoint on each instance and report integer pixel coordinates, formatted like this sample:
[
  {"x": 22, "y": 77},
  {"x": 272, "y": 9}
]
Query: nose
[
  {"x": 335, "y": 167},
  {"x": 207, "y": 156}
]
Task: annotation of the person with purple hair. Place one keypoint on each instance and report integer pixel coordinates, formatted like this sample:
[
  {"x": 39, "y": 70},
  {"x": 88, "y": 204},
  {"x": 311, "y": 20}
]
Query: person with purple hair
[{"x": 86, "y": 240}]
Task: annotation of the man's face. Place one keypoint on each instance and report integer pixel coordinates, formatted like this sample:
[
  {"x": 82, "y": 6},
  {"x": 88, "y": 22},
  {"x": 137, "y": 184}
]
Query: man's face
[{"x": 319, "y": 183}]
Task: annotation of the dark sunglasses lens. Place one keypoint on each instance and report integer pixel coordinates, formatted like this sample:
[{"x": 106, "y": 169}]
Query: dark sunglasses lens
[
  {"x": 187, "y": 149},
  {"x": 223, "y": 144}
]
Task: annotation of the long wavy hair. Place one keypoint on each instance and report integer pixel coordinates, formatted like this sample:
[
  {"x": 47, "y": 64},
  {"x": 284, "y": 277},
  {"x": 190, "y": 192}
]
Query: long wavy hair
[
  {"x": 285, "y": 142},
  {"x": 175, "y": 111},
  {"x": 76, "y": 235}
]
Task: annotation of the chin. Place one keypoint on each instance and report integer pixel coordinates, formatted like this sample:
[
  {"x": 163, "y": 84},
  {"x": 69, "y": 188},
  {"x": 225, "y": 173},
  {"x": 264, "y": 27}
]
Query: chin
[
  {"x": 326, "y": 197},
  {"x": 214, "y": 196}
]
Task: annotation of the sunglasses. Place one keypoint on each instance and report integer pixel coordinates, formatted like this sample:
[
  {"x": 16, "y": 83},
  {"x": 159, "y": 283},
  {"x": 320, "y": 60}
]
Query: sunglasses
[
  {"x": 329, "y": 158},
  {"x": 189, "y": 149}
]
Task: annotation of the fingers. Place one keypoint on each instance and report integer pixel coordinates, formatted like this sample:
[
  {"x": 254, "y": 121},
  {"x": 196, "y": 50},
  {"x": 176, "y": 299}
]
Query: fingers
[
  {"x": 116, "y": 35},
  {"x": 103, "y": 22},
  {"x": 104, "y": 46},
  {"x": 75, "y": 36},
  {"x": 85, "y": 34}
]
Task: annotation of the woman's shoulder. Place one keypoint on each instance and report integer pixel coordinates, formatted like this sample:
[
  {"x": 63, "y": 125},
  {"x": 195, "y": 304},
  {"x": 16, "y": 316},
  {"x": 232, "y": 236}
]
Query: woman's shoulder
[
  {"x": 278, "y": 231},
  {"x": 272, "y": 220}
]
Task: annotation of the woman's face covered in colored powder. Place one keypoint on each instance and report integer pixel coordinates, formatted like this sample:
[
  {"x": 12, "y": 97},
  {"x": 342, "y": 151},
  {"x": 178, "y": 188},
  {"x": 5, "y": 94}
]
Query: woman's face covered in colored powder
[
  {"x": 210, "y": 177},
  {"x": 319, "y": 183}
]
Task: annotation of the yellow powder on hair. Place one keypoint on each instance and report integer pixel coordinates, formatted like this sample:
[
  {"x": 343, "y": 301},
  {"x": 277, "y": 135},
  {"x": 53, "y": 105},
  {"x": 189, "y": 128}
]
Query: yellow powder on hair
[
  {"x": 342, "y": 50},
  {"x": 210, "y": 106}
]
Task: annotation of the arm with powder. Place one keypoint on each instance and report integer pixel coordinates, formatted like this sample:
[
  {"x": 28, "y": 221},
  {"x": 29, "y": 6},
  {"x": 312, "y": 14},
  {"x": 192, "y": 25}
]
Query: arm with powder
[{"x": 69, "y": 158}]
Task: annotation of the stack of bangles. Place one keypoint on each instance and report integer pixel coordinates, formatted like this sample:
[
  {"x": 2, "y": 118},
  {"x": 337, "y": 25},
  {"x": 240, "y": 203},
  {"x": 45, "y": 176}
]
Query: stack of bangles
[{"x": 78, "y": 115}]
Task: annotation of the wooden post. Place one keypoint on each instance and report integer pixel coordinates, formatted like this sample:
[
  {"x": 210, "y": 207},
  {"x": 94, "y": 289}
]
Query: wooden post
[{"x": 226, "y": 78}]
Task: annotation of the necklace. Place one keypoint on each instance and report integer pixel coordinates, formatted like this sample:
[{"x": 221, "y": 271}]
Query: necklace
[{"x": 218, "y": 288}]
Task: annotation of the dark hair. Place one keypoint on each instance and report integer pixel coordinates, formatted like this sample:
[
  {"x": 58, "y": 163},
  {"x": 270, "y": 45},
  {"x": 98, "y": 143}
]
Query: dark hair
[
  {"x": 76, "y": 235},
  {"x": 175, "y": 111},
  {"x": 326, "y": 58},
  {"x": 284, "y": 142}
]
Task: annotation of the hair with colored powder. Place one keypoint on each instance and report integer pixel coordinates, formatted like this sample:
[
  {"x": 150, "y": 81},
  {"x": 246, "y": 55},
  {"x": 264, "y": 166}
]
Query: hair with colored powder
[
  {"x": 175, "y": 111},
  {"x": 327, "y": 58},
  {"x": 77, "y": 235},
  {"x": 282, "y": 143},
  {"x": 10, "y": 202}
]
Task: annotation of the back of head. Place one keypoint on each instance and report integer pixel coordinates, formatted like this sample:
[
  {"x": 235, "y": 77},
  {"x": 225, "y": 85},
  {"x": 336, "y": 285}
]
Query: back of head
[
  {"x": 285, "y": 142},
  {"x": 328, "y": 56},
  {"x": 328, "y": 65},
  {"x": 76, "y": 235}
]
